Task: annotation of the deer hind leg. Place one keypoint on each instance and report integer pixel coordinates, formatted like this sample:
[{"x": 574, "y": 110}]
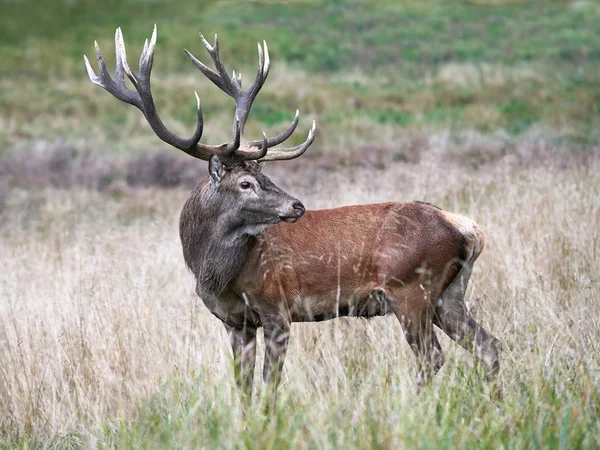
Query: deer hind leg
[
  {"x": 453, "y": 317},
  {"x": 425, "y": 346},
  {"x": 412, "y": 309},
  {"x": 277, "y": 335}
]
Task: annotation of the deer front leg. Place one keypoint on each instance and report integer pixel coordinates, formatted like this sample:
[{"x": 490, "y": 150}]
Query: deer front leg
[
  {"x": 243, "y": 343},
  {"x": 277, "y": 334}
]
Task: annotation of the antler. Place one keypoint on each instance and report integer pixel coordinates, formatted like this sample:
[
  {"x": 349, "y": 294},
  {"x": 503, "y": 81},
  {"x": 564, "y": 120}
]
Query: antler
[
  {"x": 258, "y": 149},
  {"x": 142, "y": 99},
  {"x": 238, "y": 149},
  {"x": 281, "y": 154}
]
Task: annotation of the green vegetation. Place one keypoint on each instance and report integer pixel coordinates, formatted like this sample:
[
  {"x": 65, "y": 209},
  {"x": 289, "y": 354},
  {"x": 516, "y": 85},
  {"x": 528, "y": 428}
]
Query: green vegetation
[
  {"x": 486, "y": 65},
  {"x": 540, "y": 413}
]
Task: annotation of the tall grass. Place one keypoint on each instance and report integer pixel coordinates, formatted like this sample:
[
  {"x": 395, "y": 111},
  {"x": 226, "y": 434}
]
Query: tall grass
[{"x": 104, "y": 343}]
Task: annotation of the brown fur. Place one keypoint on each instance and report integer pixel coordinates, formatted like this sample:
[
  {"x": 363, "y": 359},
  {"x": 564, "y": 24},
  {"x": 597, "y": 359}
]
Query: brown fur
[{"x": 338, "y": 257}]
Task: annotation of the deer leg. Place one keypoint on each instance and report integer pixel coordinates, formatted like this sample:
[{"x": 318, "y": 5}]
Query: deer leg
[
  {"x": 422, "y": 340},
  {"x": 277, "y": 334},
  {"x": 243, "y": 343},
  {"x": 453, "y": 317},
  {"x": 409, "y": 304}
]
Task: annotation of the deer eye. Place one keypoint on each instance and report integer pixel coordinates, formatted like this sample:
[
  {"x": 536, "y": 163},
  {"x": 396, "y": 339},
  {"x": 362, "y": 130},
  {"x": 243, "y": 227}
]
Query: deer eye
[{"x": 245, "y": 185}]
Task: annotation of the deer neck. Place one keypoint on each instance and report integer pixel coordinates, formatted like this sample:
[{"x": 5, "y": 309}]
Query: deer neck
[{"x": 215, "y": 248}]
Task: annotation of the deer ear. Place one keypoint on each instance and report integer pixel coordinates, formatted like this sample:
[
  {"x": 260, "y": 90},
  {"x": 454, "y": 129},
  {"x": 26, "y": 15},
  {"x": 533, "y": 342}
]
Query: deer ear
[
  {"x": 261, "y": 166},
  {"x": 215, "y": 169}
]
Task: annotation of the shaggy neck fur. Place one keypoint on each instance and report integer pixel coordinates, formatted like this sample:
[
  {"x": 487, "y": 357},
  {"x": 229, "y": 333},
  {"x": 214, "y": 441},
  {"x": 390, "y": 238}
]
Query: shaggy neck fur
[{"x": 215, "y": 246}]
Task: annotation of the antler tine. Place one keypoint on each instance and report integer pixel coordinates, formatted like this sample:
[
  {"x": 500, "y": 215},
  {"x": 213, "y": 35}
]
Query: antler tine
[
  {"x": 246, "y": 99},
  {"x": 120, "y": 48},
  {"x": 237, "y": 80},
  {"x": 220, "y": 79},
  {"x": 282, "y": 154},
  {"x": 280, "y": 137},
  {"x": 142, "y": 99},
  {"x": 117, "y": 86},
  {"x": 225, "y": 151},
  {"x": 251, "y": 152},
  {"x": 263, "y": 70},
  {"x": 147, "y": 56},
  {"x": 222, "y": 83},
  {"x": 214, "y": 54},
  {"x": 233, "y": 86}
]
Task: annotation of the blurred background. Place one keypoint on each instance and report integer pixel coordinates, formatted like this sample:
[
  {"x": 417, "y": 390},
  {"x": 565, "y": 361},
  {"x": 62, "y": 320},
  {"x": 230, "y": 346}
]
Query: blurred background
[{"x": 386, "y": 81}]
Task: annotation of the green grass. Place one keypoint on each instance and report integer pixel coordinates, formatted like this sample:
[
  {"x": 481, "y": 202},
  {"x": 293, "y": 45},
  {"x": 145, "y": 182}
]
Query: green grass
[
  {"x": 482, "y": 65},
  {"x": 538, "y": 412},
  {"x": 325, "y": 36}
]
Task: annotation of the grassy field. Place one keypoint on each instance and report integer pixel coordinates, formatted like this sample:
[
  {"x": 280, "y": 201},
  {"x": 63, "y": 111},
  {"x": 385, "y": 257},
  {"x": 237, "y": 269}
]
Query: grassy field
[
  {"x": 488, "y": 108},
  {"x": 104, "y": 343},
  {"x": 376, "y": 69}
]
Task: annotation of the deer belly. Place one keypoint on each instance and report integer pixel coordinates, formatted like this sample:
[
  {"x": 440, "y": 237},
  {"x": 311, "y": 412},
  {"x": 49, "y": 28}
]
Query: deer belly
[{"x": 317, "y": 309}]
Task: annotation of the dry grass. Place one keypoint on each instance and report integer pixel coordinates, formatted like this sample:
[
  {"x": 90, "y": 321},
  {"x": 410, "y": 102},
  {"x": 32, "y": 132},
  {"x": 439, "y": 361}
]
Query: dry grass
[{"x": 104, "y": 343}]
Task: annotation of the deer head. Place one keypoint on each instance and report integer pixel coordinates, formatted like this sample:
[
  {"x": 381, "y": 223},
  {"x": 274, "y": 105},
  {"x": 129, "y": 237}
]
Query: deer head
[
  {"x": 234, "y": 167},
  {"x": 245, "y": 193}
]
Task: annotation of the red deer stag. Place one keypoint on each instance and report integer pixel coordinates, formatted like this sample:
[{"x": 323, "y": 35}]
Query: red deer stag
[{"x": 411, "y": 259}]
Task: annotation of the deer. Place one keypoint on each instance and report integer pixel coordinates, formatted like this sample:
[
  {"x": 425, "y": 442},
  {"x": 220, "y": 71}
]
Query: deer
[{"x": 260, "y": 259}]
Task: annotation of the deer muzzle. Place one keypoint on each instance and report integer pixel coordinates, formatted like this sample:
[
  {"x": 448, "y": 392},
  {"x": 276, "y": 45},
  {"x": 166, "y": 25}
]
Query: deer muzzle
[{"x": 296, "y": 211}]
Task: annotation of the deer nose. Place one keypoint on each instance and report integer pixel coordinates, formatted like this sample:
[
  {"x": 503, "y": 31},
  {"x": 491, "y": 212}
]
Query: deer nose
[{"x": 298, "y": 208}]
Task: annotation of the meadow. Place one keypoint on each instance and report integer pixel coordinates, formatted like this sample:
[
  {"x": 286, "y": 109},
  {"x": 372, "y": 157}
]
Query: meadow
[
  {"x": 104, "y": 342},
  {"x": 486, "y": 108}
]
